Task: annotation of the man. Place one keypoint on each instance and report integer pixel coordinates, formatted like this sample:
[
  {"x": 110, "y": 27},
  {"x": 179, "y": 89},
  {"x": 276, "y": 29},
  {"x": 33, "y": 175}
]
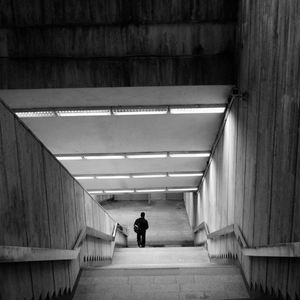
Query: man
[{"x": 140, "y": 227}]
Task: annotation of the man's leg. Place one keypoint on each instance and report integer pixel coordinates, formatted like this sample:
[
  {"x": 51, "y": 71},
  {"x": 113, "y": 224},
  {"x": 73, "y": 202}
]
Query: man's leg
[
  {"x": 143, "y": 239},
  {"x": 138, "y": 238}
]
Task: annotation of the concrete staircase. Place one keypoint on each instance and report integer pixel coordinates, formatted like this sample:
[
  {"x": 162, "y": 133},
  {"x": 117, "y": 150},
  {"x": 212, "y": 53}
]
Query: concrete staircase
[{"x": 174, "y": 273}]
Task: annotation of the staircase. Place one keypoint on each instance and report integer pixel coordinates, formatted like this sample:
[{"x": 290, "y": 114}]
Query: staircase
[{"x": 174, "y": 273}]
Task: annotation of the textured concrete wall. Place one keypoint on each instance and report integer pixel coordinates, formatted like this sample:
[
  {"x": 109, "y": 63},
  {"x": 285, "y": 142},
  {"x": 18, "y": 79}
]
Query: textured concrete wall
[
  {"x": 56, "y": 44},
  {"x": 190, "y": 208},
  {"x": 74, "y": 12},
  {"x": 254, "y": 178}
]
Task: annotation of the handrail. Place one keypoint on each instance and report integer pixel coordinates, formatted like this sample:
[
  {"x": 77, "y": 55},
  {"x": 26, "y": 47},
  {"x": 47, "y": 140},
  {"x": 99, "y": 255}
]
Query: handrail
[
  {"x": 239, "y": 236},
  {"x": 203, "y": 225},
  {"x": 122, "y": 230},
  {"x": 89, "y": 231},
  {"x": 115, "y": 231},
  {"x": 98, "y": 234},
  {"x": 9, "y": 254},
  {"x": 272, "y": 250},
  {"x": 277, "y": 250},
  {"x": 224, "y": 231},
  {"x": 80, "y": 238}
]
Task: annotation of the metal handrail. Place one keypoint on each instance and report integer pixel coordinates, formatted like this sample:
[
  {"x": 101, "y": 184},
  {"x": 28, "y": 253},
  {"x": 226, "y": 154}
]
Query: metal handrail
[
  {"x": 271, "y": 250},
  {"x": 9, "y": 254}
]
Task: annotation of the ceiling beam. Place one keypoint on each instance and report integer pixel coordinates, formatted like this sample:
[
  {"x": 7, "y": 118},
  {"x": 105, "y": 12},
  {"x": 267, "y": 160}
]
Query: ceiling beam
[
  {"x": 129, "y": 71},
  {"x": 119, "y": 41},
  {"x": 56, "y": 12}
]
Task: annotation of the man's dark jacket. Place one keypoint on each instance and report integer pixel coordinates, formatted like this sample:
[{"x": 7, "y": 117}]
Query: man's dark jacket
[{"x": 142, "y": 224}]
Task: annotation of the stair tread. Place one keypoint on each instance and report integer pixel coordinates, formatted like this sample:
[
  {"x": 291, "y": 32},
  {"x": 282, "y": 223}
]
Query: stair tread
[
  {"x": 169, "y": 273},
  {"x": 176, "y": 256}
]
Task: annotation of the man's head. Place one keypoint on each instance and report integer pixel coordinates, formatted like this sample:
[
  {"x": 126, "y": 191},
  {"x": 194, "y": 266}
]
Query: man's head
[{"x": 142, "y": 214}]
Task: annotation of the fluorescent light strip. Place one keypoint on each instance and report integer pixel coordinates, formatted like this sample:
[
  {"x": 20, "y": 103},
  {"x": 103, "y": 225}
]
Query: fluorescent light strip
[
  {"x": 185, "y": 174},
  {"x": 197, "y": 110},
  {"x": 139, "y": 111},
  {"x": 113, "y": 177},
  {"x": 118, "y": 191},
  {"x": 95, "y": 192},
  {"x": 191, "y": 154},
  {"x": 84, "y": 177},
  {"x": 136, "y": 156},
  {"x": 84, "y": 113},
  {"x": 90, "y": 157},
  {"x": 150, "y": 191},
  {"x": 149, "y": 176},
  {"x": 35, "y": 114},
  {"x": 126, "y": 111},
  {"x": 69, "y": 157},
  {"x": 182, "y": 189},
  {"x": 133, "y": 156}
]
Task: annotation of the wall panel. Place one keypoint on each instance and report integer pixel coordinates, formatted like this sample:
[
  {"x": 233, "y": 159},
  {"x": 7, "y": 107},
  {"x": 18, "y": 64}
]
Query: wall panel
[
  {"x": 294, "y": 33},
  {"x": 265, "y": 142},
  {"x": 90, "y": 243},
  {"x": 262, "y": 137},
  {"x": 72, "y": 231},
  {"x": 41, "y": 205},
  {"x": 56, "y": 219},
  {"x": 34, "y": 195},
  {"x": 76, "y": 12},
  {"x": 15, "y": 282},
  {"x": 80, "y": 216},
  {"x": 116, "y": 72},
  {"x": 101, "y": 41}
]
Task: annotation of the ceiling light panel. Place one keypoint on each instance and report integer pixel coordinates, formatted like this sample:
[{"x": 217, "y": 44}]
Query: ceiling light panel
[
  {"x": 150, "y": 190},
  {"x": 69, "y": 157},
  {"x": 91, "y": 157},
  {"x": 188, "y": 154},
  {"x": 152, "y": 155},
  {"x": 35, "y": 114},
  {"x": 118, "y": 191},
  {"x": 185, "y": 174},
  {"x": 84, "y": 113},
  {"x": 95, "y": 192},
  {"x": 149, "y": 176},
  {"x": 113, "y": 177},
  {"x": 123, "y": 111},
  {"x": 141, "y": 155},
  {"x": 197, "y": 110},
  {"x": 135, "y": 111},
  {"x": 182, "y": 189}
]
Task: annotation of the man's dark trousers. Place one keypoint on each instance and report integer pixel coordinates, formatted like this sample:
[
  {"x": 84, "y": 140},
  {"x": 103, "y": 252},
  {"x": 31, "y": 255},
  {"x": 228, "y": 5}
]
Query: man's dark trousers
[{"x": 141, "y": 238}]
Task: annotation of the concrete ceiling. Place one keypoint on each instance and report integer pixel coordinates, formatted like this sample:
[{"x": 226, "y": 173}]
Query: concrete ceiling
[
  {"x": 125, "y": 134},
  {"x": 86, "y": 97},
  {"x": 84, "y": 53}
]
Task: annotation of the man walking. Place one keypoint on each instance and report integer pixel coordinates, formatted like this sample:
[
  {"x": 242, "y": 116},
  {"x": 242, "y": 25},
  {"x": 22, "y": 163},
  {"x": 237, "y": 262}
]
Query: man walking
[{"x": 140, "y": 227}]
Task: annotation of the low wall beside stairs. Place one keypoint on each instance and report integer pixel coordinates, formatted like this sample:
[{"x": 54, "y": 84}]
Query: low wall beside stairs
[{"x": 42, "y": 206}]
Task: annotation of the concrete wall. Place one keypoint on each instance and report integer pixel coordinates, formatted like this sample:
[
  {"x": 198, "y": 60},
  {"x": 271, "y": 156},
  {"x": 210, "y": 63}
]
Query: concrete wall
[
  {"x": 43, "y": 206},
  {"x": 48, "y": 44},
  {"x": 254, "y": 177},
  {"x": 190, "y": 208}
]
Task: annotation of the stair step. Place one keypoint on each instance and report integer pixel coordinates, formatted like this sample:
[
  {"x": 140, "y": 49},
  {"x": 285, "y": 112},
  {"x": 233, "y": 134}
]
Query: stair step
[
  {"x": 171, "y": 256},
  {"x": 186, "y": 279},
  {"x": 203, "y": 269}
]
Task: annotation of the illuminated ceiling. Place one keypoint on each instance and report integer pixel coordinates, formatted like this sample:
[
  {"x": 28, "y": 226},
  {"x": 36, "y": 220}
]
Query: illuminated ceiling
[{"x": 125, "y": 135}]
